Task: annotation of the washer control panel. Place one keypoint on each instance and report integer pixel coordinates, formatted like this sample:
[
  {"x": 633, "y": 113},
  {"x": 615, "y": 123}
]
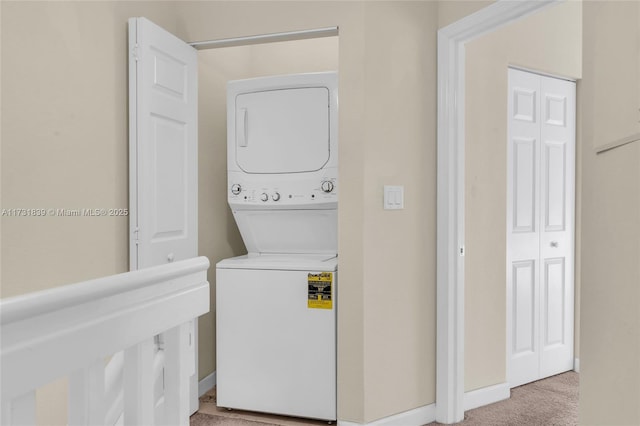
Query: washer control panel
[{"x": 280, "y": 193}]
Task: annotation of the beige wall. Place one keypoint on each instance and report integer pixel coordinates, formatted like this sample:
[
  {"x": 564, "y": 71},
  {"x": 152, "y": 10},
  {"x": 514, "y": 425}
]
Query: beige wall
[
  {"x": 64, "y": 145},
  {"x": 64, "y": 138},
  {"x": 64, "y": 135},
  {"x": 549, "y": 41},
  {"x": 610, "y": 109},
  {"x": 218, "y": 235},
  {"x": 450, "y": 11},
  {"x": 399, "y": 246}
]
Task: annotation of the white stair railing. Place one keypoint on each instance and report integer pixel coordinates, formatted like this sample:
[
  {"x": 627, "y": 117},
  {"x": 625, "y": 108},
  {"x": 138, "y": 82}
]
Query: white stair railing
[{"x": 72, "y": 330}]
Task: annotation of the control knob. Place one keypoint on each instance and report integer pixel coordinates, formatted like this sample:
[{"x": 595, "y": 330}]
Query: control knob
[
  {"x": 327, "y": 186},
  {"x": 275, "y": 196},
  {"x": 264, "y": 196},
  {"x": 235, "y": 189}
]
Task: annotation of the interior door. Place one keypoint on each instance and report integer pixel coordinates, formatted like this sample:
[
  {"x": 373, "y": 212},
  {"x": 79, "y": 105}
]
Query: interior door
[
  {"x": 540, "y": 226},
  {"x": 163, "y": 157},
  {"x": 557, "y": 205}
]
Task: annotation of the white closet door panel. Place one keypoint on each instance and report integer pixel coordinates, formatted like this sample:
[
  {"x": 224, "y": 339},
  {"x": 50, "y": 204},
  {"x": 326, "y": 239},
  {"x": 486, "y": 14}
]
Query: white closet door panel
[
  {"x": 525, "y": 320},
  {"x": 540, "y": 197},
  {"x": 523, "y": 224},
  {"x": 524, "y": 314},
  {"x": 555, "y": 160},
  {"x": 524, "y": 184},
  {"x": 164, "y": 140},
  {"x": 553, "y": 292},
  {"x": 557, "y": 235}
]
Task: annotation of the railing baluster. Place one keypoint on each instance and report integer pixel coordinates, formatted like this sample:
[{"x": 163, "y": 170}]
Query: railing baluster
[
  {"x": 86, "y": 395},
  {"x": 113, "y": 388},
  {"x": 138, "y": 384},
  {"x": 177, "y": 371},
  {"x": 19, "y": 411}
]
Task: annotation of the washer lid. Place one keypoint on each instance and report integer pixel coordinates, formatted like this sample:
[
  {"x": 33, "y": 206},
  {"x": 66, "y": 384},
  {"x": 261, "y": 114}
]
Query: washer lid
[
  {"x": 283, "y": 262},
  {"x": 282, "y": 131}
]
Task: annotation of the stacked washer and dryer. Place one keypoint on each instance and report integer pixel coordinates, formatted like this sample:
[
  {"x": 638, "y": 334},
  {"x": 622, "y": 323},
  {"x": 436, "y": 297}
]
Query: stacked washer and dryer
[{"x": 276, "y": 306}]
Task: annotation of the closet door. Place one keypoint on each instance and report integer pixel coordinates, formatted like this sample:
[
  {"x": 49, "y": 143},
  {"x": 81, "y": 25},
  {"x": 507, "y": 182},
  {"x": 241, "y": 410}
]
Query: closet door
[
  {"x": 557, "y": 203},
  {"x": 540, "y": 199}
]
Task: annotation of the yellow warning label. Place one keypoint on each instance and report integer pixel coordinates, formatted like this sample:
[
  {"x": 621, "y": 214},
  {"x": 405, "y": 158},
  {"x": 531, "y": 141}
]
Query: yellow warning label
[{"x": 320, "y": 290}]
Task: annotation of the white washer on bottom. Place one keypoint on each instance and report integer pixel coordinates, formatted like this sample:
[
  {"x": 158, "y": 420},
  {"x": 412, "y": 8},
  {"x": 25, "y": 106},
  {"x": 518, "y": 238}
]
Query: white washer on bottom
[{"x": 276, "y": 348}]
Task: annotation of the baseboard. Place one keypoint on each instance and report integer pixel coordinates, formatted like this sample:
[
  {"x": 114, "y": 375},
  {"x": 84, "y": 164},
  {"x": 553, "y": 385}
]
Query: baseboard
[
  {"x": 416, "y": 417},
  {"x": 485, "y": 396},
  {"x": 576, "y": 365},
  {"x": 207, "y": 383}
]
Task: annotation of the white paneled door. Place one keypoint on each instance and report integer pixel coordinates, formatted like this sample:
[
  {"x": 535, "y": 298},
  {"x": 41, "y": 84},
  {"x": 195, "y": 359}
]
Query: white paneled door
[
  {"x": 164, "y": 97},
  {"x": 540, "y": 226},
  {"x": 163, "y": 151}
]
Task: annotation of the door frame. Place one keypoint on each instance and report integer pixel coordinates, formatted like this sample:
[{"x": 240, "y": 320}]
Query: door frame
[{"x": 452, "y": 41}]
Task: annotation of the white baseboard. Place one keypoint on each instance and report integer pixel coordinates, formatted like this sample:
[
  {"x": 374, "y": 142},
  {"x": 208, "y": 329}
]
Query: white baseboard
[
  {"x": 485, "y": 396},
  {"x": 576, "y": 365},
  {"x": 207, "y": 383},
  {"x": 416, "y": 417}
]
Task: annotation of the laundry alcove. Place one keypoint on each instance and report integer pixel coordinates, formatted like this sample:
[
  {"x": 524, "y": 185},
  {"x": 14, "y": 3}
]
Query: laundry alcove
[{"x": 218, "y": 234}]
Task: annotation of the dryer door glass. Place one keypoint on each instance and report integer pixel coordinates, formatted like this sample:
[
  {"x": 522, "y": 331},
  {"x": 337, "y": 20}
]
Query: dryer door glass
[{"x": 282, "y": 131}]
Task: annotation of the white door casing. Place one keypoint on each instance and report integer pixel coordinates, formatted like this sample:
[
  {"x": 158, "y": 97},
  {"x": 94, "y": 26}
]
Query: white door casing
[
  {"x": 163, "y": 153},
  {"x": 540, "y": 226},
  {"x": 452, "y": 41}
]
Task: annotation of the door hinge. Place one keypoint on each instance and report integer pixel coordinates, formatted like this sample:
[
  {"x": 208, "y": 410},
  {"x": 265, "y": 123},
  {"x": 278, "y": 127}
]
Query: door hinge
[
  {"x": 134, "y": 52},
  {"x": 462, "y": 251},
  {"x": 136, "y": 232}
]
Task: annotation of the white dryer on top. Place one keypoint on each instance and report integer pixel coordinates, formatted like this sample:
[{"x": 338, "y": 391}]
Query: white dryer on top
[{"x": 282, "y": 159}]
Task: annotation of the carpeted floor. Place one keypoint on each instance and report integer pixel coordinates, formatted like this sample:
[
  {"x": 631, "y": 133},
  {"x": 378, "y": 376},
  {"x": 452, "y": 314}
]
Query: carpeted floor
[
  {"x": 548, "y": 402},
  {"x": 200, "y": 419}
]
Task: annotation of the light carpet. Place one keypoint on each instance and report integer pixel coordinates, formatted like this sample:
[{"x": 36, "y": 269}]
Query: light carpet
[
  {"x": 200, "y": 419},
  {"x": 548, "y": 402}
]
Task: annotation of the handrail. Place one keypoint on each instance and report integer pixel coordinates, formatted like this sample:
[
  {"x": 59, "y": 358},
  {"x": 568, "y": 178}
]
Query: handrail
[
  {"x": 618, "y": 143},
  {"x": 71, "y": 330},
  {"x": 38, "y": 303}
]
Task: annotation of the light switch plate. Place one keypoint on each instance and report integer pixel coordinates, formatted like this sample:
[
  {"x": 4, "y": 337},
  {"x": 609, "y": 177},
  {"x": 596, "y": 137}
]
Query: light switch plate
[{"x": 393, "y": 197}]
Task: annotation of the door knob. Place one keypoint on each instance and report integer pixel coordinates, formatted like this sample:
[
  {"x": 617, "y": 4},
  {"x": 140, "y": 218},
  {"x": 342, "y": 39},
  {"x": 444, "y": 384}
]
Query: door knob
[
  {"x": 554, "y": 244},
  {"x": 170, "y": 258}
]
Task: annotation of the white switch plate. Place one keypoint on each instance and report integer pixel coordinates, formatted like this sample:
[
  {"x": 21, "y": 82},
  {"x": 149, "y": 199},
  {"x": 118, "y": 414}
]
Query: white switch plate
[{"x": 393, "y": 197}]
